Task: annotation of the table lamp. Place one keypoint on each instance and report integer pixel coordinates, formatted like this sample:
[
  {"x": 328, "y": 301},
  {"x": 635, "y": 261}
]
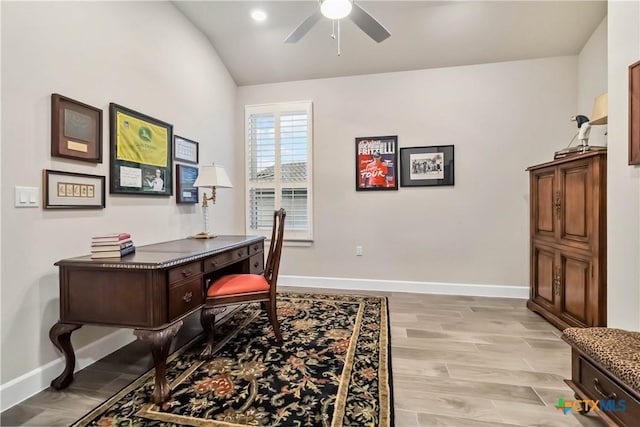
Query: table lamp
[{"x": 210, "y": 176}]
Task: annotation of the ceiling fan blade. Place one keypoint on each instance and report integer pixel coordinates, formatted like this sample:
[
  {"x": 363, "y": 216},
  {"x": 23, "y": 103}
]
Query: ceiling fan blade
[
  {"x": 368, "y": 24},
  {"x": 304, "y": 28}
]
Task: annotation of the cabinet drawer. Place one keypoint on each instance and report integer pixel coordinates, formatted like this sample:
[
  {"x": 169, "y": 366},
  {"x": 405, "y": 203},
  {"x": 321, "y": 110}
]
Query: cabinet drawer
[
  {"x": 256, "y": 248},
  {"x": 220, "y": 260},
  {"x": 185, "y": 297},
  {"x": 256, "y": 263},
  {"x": 598, "y": 386},
  {"x": 185, "y": 271}
]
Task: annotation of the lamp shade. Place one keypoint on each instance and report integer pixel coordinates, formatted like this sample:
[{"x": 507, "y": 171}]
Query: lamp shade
[
  {"x": 212, "y": 176},
  {"x": 600, "y": 110}
]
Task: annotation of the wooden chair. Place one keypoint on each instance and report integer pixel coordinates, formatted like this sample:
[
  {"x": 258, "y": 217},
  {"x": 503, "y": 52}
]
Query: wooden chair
[{"x": 242, "y": 288}]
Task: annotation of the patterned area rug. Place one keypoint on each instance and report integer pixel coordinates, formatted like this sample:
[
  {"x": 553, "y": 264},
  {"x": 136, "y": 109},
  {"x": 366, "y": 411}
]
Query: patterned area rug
[{"x": 333, "y": 369}]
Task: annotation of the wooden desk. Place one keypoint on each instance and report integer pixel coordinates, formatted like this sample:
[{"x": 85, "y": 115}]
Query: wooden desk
[{"x": 150, "y": 291}]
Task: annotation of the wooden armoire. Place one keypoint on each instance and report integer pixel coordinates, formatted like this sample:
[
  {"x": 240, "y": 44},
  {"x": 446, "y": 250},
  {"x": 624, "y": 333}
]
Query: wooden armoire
[{"x": 568, "y": 273}]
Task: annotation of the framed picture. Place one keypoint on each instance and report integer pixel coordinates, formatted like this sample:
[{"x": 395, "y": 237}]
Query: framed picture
[
  {"x": 185, "y": 150},
  {"x": 140, "y": 153},
  {"x": 185, "y": 177},
  {"x": 76, "y": 130},
  {"x": 634, "y": 114},
  {"x": 427, "y": 166},
  {"x": 68, "y": 190},
  {"x": 377, "y": 163}
]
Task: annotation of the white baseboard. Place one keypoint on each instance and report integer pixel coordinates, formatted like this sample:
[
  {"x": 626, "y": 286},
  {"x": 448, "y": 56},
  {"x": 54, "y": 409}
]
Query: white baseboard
[
  {"x": 467, "y": 289},
  {"x": 25, "y": 386}
]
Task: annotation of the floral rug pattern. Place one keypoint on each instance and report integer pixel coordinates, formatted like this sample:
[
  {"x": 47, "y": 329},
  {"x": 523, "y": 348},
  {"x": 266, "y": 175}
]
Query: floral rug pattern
[{"x": 333, "y": 369}]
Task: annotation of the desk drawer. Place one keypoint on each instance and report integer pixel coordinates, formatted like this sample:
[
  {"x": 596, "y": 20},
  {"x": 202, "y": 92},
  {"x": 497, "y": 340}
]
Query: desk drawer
[
  {"x": 185, "y": 271},
  {"x": 217, "y": 261},
  {"x": 256, "y": 263},
  {"x": 256, "y": 248},
  {"x": 185, "y": 297},
  {"x": 599, "y": 386}
]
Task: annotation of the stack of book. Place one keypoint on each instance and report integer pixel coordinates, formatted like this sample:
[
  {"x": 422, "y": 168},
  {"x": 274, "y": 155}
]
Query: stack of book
[{"x": 114, "y": 245}]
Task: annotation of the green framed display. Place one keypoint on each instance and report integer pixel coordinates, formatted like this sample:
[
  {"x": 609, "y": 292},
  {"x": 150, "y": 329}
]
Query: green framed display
[{"x": 140, "y": 153}]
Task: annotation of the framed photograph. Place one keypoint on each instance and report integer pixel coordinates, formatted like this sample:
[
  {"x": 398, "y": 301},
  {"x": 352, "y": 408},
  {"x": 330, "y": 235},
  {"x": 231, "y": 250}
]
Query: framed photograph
[
  {"x": 140, "y": 153},
  {"x": 76, "y": 130},
  {"x": 185, "y": 177},
  {"x": 427, "y": 166},
  {"x": 68, "y": 190},
  {"x": 377, "y": 163},
  {"x": 634, "y": 114},
  {"x": 185, "y": 150}
]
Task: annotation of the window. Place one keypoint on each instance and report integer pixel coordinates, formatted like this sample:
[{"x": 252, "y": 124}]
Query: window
[{"x": 279, "y": 140}]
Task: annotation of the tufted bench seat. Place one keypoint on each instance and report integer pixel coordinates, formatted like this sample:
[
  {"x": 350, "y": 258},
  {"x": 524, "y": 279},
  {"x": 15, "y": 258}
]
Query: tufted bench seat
[{"x": 605, "y": 366}]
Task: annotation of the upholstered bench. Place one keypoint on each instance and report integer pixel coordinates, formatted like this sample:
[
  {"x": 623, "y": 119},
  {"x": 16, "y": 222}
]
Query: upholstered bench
[{"x": 605, "y": 366}]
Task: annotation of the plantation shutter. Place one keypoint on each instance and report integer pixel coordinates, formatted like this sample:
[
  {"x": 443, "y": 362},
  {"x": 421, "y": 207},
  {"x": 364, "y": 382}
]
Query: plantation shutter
[{"x": 279, "y": 163}]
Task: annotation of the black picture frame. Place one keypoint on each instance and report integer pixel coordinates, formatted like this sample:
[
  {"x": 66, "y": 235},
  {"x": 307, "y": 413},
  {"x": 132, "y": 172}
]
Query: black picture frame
[
  {"x": 185, "y": 150},
  {"x": 373, "y": 174},
  {"x": 140, "y": 153},
  {"x": 185, "y": 178},
  {"x": 427, "y": 166},
  {"x": 76, "y": 130},
  {"x": 69, "y": 190}
]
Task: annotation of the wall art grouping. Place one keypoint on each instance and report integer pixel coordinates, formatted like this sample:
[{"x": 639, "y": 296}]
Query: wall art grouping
[
  {"x": 377, "y": 164},
  {"x": 141, "y": 153}
]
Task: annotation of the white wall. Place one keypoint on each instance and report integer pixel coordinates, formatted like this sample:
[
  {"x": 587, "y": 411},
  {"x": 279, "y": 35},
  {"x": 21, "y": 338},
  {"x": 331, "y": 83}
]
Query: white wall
[
  {"x": 142, "y": 55},
  {"x": 623, "y": 181},
  {"x": 592, "y": 79},
  {"x": 501, "y": 118}
]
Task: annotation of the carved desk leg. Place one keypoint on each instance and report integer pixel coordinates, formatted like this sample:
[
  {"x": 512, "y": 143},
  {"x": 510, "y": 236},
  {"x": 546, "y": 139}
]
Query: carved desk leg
[
  {"x": 160, "y": 342},
  {"x": 60, "y": 336}
]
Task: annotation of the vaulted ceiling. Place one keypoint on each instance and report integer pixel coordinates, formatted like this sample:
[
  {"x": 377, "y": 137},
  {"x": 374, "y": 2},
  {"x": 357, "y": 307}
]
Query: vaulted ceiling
[{"x": 424, "y": 34}]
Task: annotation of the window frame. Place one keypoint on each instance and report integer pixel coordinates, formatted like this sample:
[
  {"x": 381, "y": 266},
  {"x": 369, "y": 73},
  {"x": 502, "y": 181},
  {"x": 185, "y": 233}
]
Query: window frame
[{"x": 277, "y": 109}]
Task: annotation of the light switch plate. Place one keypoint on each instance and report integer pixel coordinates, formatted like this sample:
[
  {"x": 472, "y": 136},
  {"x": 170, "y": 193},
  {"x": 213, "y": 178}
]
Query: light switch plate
[{"x": 27, "y": 197}]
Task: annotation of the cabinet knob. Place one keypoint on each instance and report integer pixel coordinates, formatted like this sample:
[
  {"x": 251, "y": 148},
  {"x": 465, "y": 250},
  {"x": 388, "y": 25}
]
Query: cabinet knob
[
  {"x": 256, "y": 264},
  {"x": 187, "y": 296},
  {"x": 186, "y": 273}
]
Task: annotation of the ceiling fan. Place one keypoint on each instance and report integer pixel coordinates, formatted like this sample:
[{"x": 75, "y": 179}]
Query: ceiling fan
[{"x": 336, "y": 10}]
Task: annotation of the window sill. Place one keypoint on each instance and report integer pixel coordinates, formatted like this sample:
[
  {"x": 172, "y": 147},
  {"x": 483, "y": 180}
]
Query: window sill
[{"x": 294, "y": 243}]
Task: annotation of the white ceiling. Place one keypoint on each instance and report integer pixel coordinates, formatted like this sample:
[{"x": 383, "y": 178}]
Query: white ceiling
[{"x": 424, "y": 34}]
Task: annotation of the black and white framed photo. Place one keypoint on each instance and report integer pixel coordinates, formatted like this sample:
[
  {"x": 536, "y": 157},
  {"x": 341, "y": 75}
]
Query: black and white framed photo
[
  {"x": 427, "y": 166},
  {"x": 185, "y": 150}
]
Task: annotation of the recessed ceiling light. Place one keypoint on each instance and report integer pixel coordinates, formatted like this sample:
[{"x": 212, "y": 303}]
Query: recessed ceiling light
[{"x": 258, "y": 15}]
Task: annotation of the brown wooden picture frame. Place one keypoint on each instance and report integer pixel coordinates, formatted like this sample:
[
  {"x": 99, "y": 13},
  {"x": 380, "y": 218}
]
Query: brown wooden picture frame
[
  {"x": 76, "y": 130},
  {"x": 634, "y": 114}
]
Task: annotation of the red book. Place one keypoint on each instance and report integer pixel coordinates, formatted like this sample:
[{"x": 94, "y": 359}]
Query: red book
[{"x": 112, "y": 237}]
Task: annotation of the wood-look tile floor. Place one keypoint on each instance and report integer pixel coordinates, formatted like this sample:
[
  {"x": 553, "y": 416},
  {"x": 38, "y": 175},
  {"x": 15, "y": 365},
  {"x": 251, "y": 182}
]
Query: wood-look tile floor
[{"x": 457, "y": 361}]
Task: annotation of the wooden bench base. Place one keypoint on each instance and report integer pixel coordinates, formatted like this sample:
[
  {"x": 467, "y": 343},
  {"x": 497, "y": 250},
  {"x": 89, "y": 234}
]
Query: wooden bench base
[{"x": 590, "y": 381}]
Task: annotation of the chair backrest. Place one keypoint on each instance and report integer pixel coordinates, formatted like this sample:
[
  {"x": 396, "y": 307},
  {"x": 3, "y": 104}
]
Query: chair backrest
[{"x": 275, "y": 249}]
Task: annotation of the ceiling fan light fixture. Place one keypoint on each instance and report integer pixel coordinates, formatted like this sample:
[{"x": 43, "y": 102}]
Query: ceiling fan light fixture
[{"x": 336, "y": 9}]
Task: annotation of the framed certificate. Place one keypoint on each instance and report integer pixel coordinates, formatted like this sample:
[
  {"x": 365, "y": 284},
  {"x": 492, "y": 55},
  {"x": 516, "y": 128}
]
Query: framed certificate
[
  {"x": 185, "y": 150},
  {"x": 76, "y": 130}
]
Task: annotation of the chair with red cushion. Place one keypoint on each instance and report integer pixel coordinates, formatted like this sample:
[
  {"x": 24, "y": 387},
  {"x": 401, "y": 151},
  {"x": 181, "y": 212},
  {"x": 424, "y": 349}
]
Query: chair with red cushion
[{"x": 235, "y": 289}]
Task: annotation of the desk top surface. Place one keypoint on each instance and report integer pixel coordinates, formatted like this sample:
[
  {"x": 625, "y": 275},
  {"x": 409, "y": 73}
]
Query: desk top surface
[{"x": 165, "y": 254}]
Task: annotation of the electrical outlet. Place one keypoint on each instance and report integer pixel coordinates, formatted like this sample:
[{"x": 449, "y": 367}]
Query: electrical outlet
[{"x": 358, "y": 250}]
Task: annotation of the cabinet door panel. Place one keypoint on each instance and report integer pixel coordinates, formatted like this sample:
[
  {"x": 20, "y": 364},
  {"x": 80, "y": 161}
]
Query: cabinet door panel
[
  {"x": 543, "y": 261},
  {"x": 576, "y": 193},
  {"x": 576, "y": 282},
  {"x": 543, "y": 222}
]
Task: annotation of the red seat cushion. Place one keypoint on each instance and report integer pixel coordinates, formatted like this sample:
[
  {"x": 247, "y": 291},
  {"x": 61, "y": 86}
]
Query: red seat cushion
[{"x": 238, "y": 284}]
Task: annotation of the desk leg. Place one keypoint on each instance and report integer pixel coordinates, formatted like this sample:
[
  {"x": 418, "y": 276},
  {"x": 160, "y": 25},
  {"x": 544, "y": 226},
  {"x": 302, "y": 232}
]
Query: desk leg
[
  {"x": 60, "y": 336},
  {"x": 160, "y": 342}
]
